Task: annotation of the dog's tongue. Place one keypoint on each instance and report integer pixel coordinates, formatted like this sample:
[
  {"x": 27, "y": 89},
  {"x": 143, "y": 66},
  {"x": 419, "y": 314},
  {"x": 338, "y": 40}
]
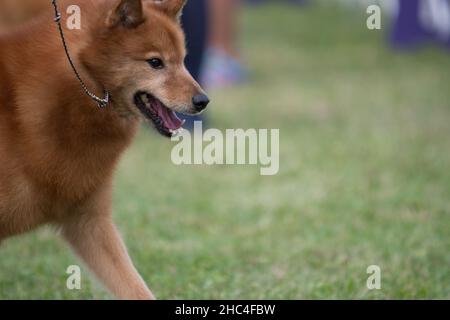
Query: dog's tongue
[{"x": 171, "y": 121}]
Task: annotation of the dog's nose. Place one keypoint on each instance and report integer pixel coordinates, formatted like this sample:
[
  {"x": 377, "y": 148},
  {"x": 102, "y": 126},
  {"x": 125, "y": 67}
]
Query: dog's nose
[{"x": 200, "y": 102}]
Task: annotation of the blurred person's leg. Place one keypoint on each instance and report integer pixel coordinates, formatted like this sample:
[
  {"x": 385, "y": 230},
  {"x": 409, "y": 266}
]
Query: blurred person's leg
[
  {"x": 407, "y": 28},
  {"x": 194, "y": 22},
  {"x": 421, "y": 21},
  {"x": 223, "y": 25},
  {"x": 222, "y": 66}
]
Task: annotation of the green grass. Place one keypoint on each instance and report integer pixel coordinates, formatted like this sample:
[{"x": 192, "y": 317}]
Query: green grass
[{"x": 364, "y": 179}]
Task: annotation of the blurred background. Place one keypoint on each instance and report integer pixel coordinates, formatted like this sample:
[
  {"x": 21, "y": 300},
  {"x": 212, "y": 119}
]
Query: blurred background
[{"x": 364, "y": 161}]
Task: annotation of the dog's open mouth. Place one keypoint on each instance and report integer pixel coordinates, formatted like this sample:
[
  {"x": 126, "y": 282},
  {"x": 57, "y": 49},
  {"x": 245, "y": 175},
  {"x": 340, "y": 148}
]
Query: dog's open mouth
[{"x": 165, "y": 120}]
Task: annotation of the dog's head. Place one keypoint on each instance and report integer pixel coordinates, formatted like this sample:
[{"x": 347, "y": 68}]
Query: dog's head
[{"x": 138, "y": 55}]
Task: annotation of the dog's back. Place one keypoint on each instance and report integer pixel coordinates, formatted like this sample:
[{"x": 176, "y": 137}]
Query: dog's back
[{"x": 16, "y": 12}]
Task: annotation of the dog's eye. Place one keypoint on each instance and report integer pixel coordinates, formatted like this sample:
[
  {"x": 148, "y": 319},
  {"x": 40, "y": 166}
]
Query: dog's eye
[{"x": 156, "y": 63}]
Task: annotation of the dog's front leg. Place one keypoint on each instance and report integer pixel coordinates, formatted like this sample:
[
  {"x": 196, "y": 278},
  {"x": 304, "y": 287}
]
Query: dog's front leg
[{"x": 97, "y": 241}]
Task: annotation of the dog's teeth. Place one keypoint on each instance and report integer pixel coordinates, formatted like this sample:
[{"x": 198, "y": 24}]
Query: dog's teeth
[
  {"x": 176, "y": 133},
  {"x": 145, "y": 98}
]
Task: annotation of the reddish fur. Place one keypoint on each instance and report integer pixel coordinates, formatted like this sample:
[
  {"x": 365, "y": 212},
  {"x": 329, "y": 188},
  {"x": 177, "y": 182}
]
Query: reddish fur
[
  {"x": 57, "y": 149},
  {"x": 14, "y": 12}
]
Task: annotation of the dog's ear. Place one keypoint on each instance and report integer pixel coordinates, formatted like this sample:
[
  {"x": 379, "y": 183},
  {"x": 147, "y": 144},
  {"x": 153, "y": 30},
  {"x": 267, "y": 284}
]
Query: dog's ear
[
  {"x": 128, "y": 13},
  {"x": 172, "y": 8}
]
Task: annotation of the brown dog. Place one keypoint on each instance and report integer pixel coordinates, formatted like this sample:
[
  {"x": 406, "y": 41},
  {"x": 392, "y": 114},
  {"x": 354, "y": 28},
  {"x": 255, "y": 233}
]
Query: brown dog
[
  {"x": 15, "y": 12},
  {"x": 58, "y": 150}
]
